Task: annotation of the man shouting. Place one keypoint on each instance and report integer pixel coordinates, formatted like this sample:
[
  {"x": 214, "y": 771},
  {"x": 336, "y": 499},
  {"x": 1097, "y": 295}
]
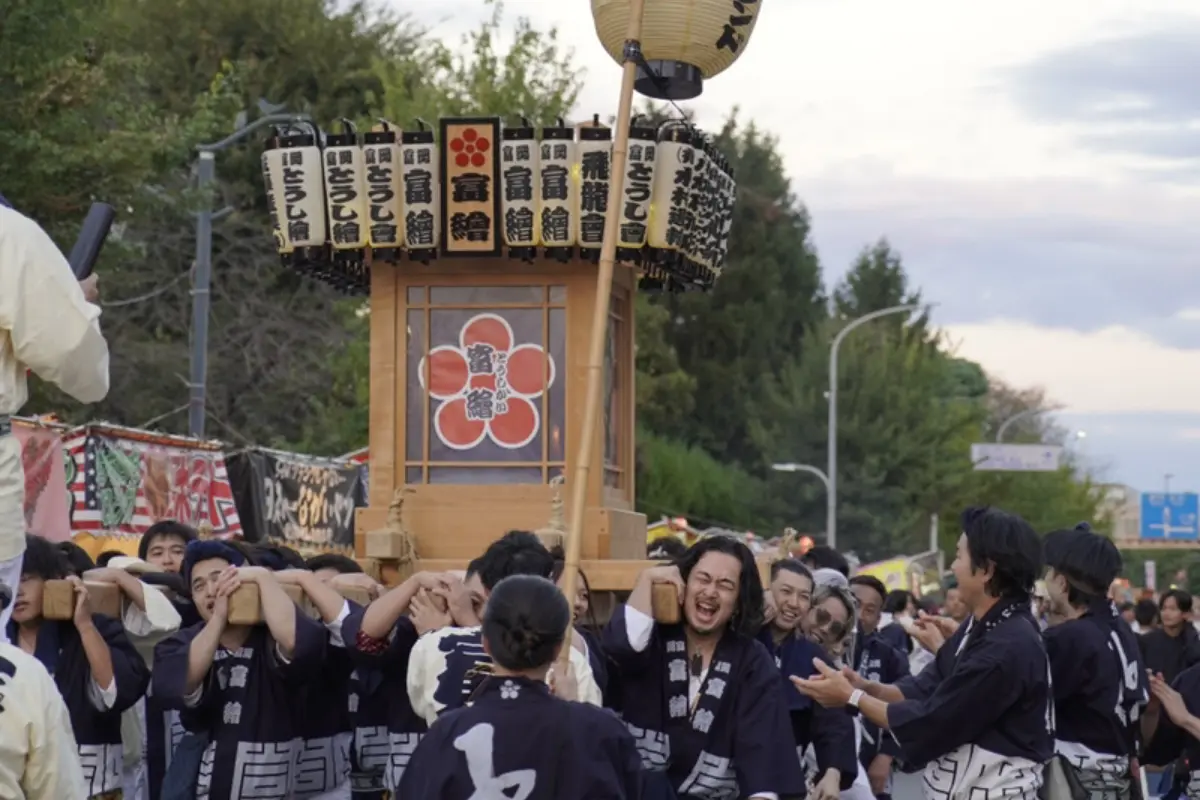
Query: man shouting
[{"x": 49, "y": 326}]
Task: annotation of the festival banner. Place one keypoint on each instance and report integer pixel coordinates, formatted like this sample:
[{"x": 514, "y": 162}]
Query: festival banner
[
  {"x": 124, "y": 480},
  {"x": 47, "y": 504},
  {"x": 303, "y": 502}
]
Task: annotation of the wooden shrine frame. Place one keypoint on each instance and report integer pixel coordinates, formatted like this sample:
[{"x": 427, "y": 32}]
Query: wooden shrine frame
[{"x": 453, "y": 523}]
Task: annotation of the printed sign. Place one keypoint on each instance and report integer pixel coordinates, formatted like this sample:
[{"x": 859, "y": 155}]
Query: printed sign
[{"x": 471, "y": 187}]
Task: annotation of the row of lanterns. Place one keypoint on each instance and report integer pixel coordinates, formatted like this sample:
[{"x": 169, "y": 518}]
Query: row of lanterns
[{"x": 341, "y": 202}]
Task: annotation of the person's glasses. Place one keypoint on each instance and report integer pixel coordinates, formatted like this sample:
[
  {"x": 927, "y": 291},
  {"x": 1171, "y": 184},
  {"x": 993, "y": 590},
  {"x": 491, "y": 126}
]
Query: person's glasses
[{"x": 825, "y": 620}]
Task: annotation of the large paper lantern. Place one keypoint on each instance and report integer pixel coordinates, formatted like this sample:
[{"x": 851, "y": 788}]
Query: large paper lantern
[
  {"x": 637, "y": 189},
  {"x": 302, "y": 182},
  {"x": 422, "y": 192},
  {"x": 684, "y": 42},
  {"x": 385, "y": 203},
  {"x": 272, "y": 167}
]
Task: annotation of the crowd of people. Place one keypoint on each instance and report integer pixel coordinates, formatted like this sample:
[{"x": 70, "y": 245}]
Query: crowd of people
[{"x": 818, "y": 683}]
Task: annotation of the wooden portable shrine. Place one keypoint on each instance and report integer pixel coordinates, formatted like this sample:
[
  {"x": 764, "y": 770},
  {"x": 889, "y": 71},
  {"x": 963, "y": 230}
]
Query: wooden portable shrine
[{"x": 479, "y": 246}]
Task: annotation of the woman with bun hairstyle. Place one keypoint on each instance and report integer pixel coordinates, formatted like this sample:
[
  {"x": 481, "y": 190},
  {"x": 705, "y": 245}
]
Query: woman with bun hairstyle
[{"x": 517, "y": 740}]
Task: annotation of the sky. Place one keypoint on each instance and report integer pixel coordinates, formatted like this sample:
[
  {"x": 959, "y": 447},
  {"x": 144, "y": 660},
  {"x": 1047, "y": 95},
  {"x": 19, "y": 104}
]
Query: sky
[{"x": 1036, "y": 164}]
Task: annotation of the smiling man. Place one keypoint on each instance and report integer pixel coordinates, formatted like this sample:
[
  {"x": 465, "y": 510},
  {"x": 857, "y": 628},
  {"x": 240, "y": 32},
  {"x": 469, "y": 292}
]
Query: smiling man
[
  {"x": 980, "y": 716},
  {"x": 702, "y": 697}
]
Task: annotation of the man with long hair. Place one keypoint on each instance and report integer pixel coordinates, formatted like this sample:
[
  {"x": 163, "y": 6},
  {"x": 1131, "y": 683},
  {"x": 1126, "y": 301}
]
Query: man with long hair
[{"x": 702, "y": 697}]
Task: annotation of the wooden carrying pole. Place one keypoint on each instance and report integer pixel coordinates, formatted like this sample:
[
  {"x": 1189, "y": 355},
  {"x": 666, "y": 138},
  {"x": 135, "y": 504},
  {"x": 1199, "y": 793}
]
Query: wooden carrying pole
[{"x": 604, "y": 278}]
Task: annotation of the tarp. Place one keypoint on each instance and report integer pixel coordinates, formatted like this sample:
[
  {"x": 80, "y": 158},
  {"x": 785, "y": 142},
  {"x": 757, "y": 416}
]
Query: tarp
[
  {"x": 306, "y": 503},
  {"x": 124, "y": 480}
]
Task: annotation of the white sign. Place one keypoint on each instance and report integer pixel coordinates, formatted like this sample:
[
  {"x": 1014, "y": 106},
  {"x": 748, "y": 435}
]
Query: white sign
[
  {"x": 1151, "y": 575},
  {"x": 1016, "y": 457}
]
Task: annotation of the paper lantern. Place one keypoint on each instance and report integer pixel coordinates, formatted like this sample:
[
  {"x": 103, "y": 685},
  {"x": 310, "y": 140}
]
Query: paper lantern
[
  {"x": 385, "y": 206},
  {"x": 471, "y": 174},
  {"x": 556, "y": 207},
  {"x": 272, "y": 167},
  {"x": 303, "y": 184},
  {"x": 726, "y": 197},
  {"x": 345, "y": 189},
  {"x": 669, "y": 215},
  {"x": 594, "y": 168},
  {"x": 684, "y": 42},
  {"x": 638, "y": 187},
  {"x": 422, "y": 192},
  {"x": 521, "y": 183}
]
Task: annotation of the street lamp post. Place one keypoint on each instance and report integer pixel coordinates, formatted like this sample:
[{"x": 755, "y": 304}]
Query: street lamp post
[
  {"x": 202, "y": 277},
  {"x": 831, "y": 467},
  {"x": 809, "y": 468},
  {"x": 1020, "y": 415}
]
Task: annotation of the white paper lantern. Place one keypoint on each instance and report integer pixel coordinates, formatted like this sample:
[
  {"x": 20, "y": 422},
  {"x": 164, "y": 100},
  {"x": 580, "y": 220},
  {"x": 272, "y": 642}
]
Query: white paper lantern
[
  {"x": 422, "y": 191},
  {"x": 521, "y": 185},
  {"x": 684, "y": 42},
  {"x": 272, "y": 168},
  {"x": 345, "y": 190},
  {"x": 594, "y": 170},
  {"x": 303, "y": 184},
  {"x": 558, "y": 199},
  {"x": 669, "y": 216},
  {"x": 385, "y": 204},
  {"x": 638, "y": 188}
]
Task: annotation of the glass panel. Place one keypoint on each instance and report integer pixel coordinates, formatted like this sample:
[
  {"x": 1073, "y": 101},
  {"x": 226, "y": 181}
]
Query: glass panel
[
  {"x": 485, "y": 295},
  {"x": 612, "y": 478},
  {"x": 416, "y": 295},
  {"x": 414, "y": 403},
  {"x": 413, "y": 475},
  {"x": 556, "y": 471},
  {"x": 558, "y": 295},
  {"x": 612, "y": 396},
  {"x": 485, "y": 475},
  {"x": 486, "y": 385},
  {"x": 556, "y": 398}
]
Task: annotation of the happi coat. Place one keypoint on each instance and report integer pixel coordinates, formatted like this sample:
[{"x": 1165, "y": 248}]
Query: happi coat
[
  {"x": 829, "y": 732},
  {"x": 249, "y": 707},
  {"x": 980, "y": 715},
  {"x": 446, "y": 667},
  {"x": 1100, "y": 687},
  {"x": 95, "y": 710},
  {"x": 877, "y": 659},
  {"x": 718, "y": 736},
  {"x": 516, "y": 741},
  {"x": 386, "y": 729}
]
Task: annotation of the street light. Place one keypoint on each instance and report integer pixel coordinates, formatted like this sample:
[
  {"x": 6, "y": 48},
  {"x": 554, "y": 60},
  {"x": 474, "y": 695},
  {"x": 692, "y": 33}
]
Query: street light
[
  {"x": 1020, "y": 415},
  {"x": 831, "y": 467},
  {"x": 809, "y": 468},
  {"x": 202, "y": 278}
]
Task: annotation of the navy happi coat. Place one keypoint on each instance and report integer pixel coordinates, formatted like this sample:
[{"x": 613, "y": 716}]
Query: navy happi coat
[
  {"x": 1100, "y": 688},
  {"x": 729, "y": 739},
  {"x": 980, "y": 715},
  {"x": 516, "y": 741},
  {"x": 97, "y": 733},
  {"x": 829, "y": 731},
  {"x": 877, "y": 659},
  {"x": 249, "y": 708},
  {"x": 386, "y": 729},
  {"x": 1169, "y": 742}
]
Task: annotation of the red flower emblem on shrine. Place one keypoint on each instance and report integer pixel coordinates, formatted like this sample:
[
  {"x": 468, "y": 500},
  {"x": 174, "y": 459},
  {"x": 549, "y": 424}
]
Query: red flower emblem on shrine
[
  {"x": 469, "y": 148},
  {"x": 487, "y": 384}
]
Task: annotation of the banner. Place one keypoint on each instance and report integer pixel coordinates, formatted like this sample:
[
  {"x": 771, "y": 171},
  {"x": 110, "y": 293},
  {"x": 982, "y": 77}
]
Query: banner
[
  {"x": 124, "y": 480},
  {"x": 306, "y": 503},
  {"x": 47, "y": 504}
]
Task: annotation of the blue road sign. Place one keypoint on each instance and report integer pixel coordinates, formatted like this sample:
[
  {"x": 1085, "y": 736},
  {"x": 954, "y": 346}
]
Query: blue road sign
[{"x": 1170, "y": 516}]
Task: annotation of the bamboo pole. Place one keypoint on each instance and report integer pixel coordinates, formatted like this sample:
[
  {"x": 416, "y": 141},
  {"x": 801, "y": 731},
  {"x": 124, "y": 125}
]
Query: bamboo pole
[{"x": 604, "y": 279}]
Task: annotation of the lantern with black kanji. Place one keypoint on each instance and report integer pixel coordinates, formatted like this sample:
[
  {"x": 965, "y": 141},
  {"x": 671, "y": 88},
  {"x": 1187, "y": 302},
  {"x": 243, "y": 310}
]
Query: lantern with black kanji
[
  {"x": 636, "y": 191},
  {"x": 302, "y": 181},
  {"x": 272, "y": 168},
  {"x": 595, "y": 173},
  {"x": 726, "y": 197},
  {"x": 683, "y": 42},
  {"x": 385, "y": 206},
  {"x": 422, "y": 192},
  {"x": 557, "y": 202},
  {"x": 670, "y": 217},
  {"x": 521, "y": 184},
  {"x": 346, "y": 206}
]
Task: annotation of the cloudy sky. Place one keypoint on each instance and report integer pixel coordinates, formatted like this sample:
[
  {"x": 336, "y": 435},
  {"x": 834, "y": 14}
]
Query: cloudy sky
[{"x": 1037, "y": 164}]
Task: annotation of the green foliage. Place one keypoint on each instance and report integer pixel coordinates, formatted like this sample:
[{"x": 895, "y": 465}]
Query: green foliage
[{"x": 108, "y": 101}]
